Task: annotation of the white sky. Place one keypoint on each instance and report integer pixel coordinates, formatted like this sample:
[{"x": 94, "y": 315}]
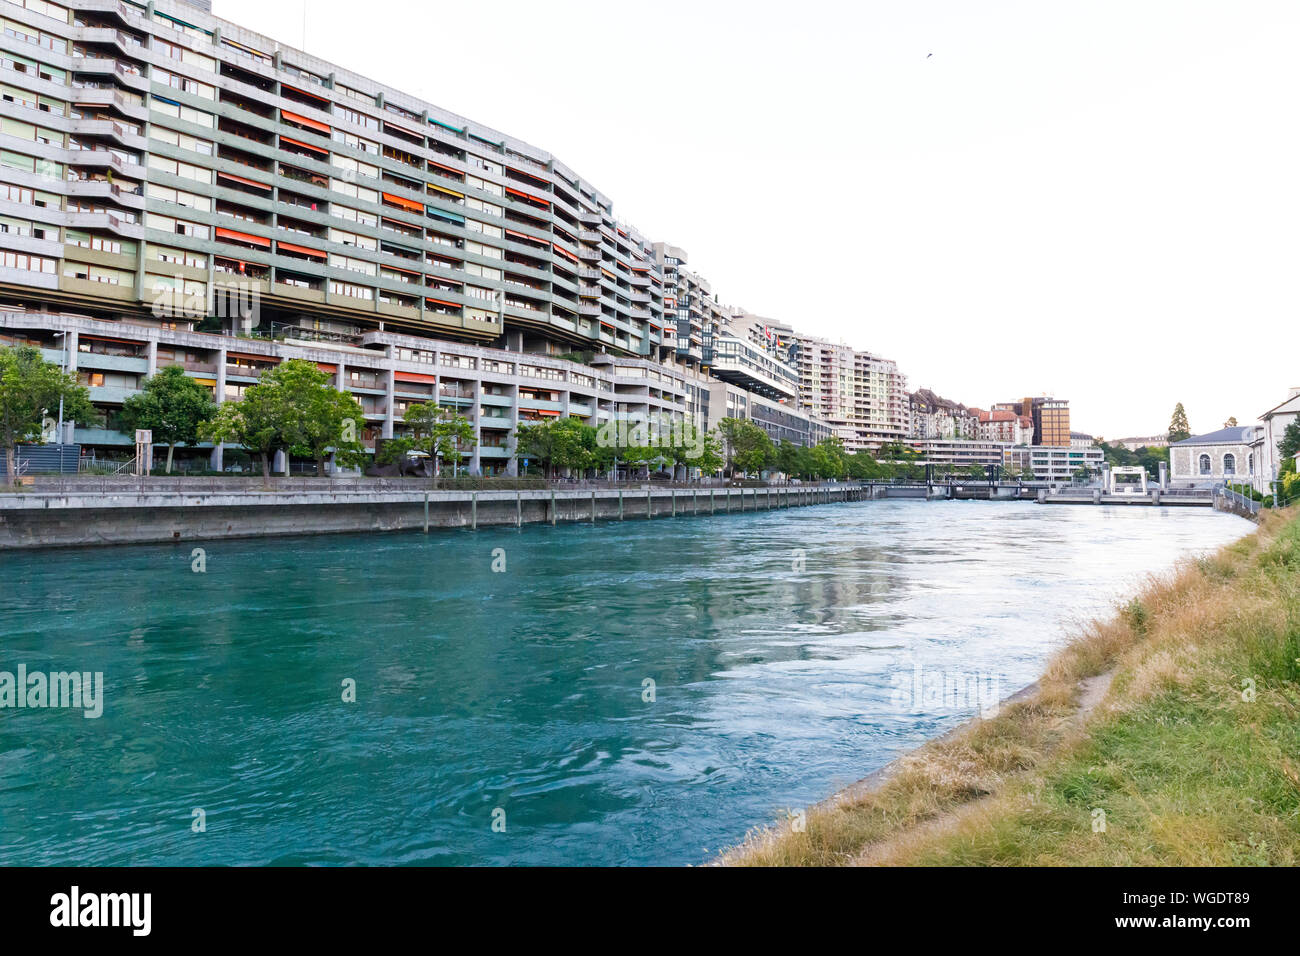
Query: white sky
[{"x": 1092, "y": 199}]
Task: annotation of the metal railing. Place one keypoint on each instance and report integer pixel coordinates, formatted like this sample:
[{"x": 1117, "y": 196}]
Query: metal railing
[
  {"x": 122, "y": 482},
  {"x": 1237, "y": 500}
]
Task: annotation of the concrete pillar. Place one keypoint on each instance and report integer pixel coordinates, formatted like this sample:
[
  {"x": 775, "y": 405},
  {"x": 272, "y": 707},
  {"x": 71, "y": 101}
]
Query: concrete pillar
[
  {"x": 1164, "y": 476},
  {"x": 217, "y": 460},
  {"x": 512, "y": 465},
  {"x": 476, "y": 458},
  {"x": 390, "y": 397},
  {"x": 153, "y": 358},
  {"x": 71, "y": 341}
]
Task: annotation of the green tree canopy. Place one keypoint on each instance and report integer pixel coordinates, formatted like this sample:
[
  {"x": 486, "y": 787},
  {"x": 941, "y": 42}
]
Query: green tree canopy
[
  {"x": 293, "y": 408},
  {"x": 1289, "y": 444},
  {"x": 173, "y": 406},
  {"x": 30, "y": 390},
  {"x": 443, "y": 433},
  {"x": 745, "y": 446}
]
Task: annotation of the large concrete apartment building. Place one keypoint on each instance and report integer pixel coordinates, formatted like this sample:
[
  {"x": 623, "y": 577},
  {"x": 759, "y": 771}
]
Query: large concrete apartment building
[
  {"x": 176, "y": 189},
  {"x": 861, "y": 395}
]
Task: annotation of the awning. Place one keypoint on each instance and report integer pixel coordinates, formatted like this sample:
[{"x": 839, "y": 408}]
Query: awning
[
  {"x": 445, "y": 191},
  {"x": 243, "y": 237},
  {"x": 291, "y": 247},
  {"x": 241, "y": 179},
  {"x": 448, "y": 169},
  {"x": 310, "y": 96},
  {"x": 298, "y": 142},
  {"x": 454, "y": 305},
  {"x": 563, "y": 251},
  {"x": 528, "y": 196},
  {"x": 410, "y": 204},
  {"x": 449, "y": 216},
  {"x": 105, "y": 338},
  {"x": 306, "y": 121},
  {"x": 413, "y": 377}
]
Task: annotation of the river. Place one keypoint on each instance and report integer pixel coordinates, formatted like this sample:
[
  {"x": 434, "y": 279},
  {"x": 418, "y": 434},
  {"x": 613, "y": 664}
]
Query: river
[{"x": 618, "y": 693}]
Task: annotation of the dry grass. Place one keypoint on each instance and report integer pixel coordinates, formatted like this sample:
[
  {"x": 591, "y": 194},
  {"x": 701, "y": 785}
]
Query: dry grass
[{"x": 1185, "y": 768}]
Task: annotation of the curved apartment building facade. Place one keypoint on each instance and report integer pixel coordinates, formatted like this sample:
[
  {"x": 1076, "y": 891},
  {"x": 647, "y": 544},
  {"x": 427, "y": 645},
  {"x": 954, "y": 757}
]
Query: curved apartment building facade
[
  {"x": 156, "y": 157},
  {"x": 176, "y": 189}
]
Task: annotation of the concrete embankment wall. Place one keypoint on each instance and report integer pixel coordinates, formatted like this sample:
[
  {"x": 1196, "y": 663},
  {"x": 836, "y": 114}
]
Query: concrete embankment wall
[{"x": 73, "y": 520}]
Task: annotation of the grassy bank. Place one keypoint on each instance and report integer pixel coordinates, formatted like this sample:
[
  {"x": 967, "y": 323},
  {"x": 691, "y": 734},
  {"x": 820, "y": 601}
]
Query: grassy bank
[{"x": 1191, "y": 756}]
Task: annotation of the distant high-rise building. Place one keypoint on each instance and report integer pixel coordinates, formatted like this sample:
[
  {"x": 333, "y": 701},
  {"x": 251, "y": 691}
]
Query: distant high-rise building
[
  {"x": 862, "y": 396},
  {"x": 1050, "y": 418}
]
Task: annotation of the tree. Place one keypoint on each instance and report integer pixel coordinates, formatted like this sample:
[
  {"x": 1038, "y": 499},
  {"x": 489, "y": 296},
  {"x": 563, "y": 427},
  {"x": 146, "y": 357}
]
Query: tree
[
  {"x": 30, "y": 390},
  {"x": 787, "y": 458},
  {"x": 255, "y": 422},
  {"x": 441, "y": 432},
  {"x": 332, "y": 420},
  {"x": 315, "y": 415},
  {"x": 1179, "y": 430},
  {"x": 293, "y": 408},
  {"x": 745, "y": 445},
  {"x": 172, "y": 406},
  {"x": 1289, "y": 444},
  {"x": 693, "y": 447},
  {"x": 1231, "y": 422}
]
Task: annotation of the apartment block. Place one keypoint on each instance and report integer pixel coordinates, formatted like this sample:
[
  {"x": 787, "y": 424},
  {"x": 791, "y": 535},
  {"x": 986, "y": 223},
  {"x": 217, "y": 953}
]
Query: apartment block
[
  {"x": 862, "y": 396},
  {"x": 932, "y": 416},
  {"x": 385, "y": 372},
  {"x": 1050, "y": 418},
  {"x": 170, "y": 174}
]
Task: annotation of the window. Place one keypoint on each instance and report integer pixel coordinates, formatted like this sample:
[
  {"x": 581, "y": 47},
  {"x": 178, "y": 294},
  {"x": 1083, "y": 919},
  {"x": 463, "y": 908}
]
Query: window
[
  {"x": 354, "y": 167},
  {"x": 21, "y": 260},
  {"x": 354, "y": 215},
  {"x": 356, "y": 142},
  {"x": 181, "y": 257},
  {"x": 186, "y": 113},
  {"x": 184, "y": 170},
  {"x": 352, "y": 239},
  {"x": 354, "y": 291},
  {"x": 178, "y": 196},
  {"x": 181, "y": 140},
  {"x": 204, "y": 90},
  {"x": 1250, "y": 463},
  {"x": 1205, "y": 464},
  {"x": 1229, "y": 464},
  {"x": 179, "y": 226},
  {"x": 352, "y": 265}
]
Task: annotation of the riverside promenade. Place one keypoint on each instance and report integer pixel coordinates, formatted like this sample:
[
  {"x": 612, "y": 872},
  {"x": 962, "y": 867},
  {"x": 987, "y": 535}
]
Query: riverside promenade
[{"x": 91, "y": 512}]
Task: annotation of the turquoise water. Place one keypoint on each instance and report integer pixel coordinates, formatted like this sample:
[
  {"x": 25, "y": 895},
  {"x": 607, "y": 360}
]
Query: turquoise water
[{"x": 521, "y": 692}]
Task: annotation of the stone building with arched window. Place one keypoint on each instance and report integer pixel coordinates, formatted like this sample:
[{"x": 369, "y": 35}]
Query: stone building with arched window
[{"x": 1230, "y": 454}]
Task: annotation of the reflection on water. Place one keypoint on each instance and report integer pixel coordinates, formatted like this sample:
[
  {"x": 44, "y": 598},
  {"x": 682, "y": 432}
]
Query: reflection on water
[{"x": 777, "y": 645}]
